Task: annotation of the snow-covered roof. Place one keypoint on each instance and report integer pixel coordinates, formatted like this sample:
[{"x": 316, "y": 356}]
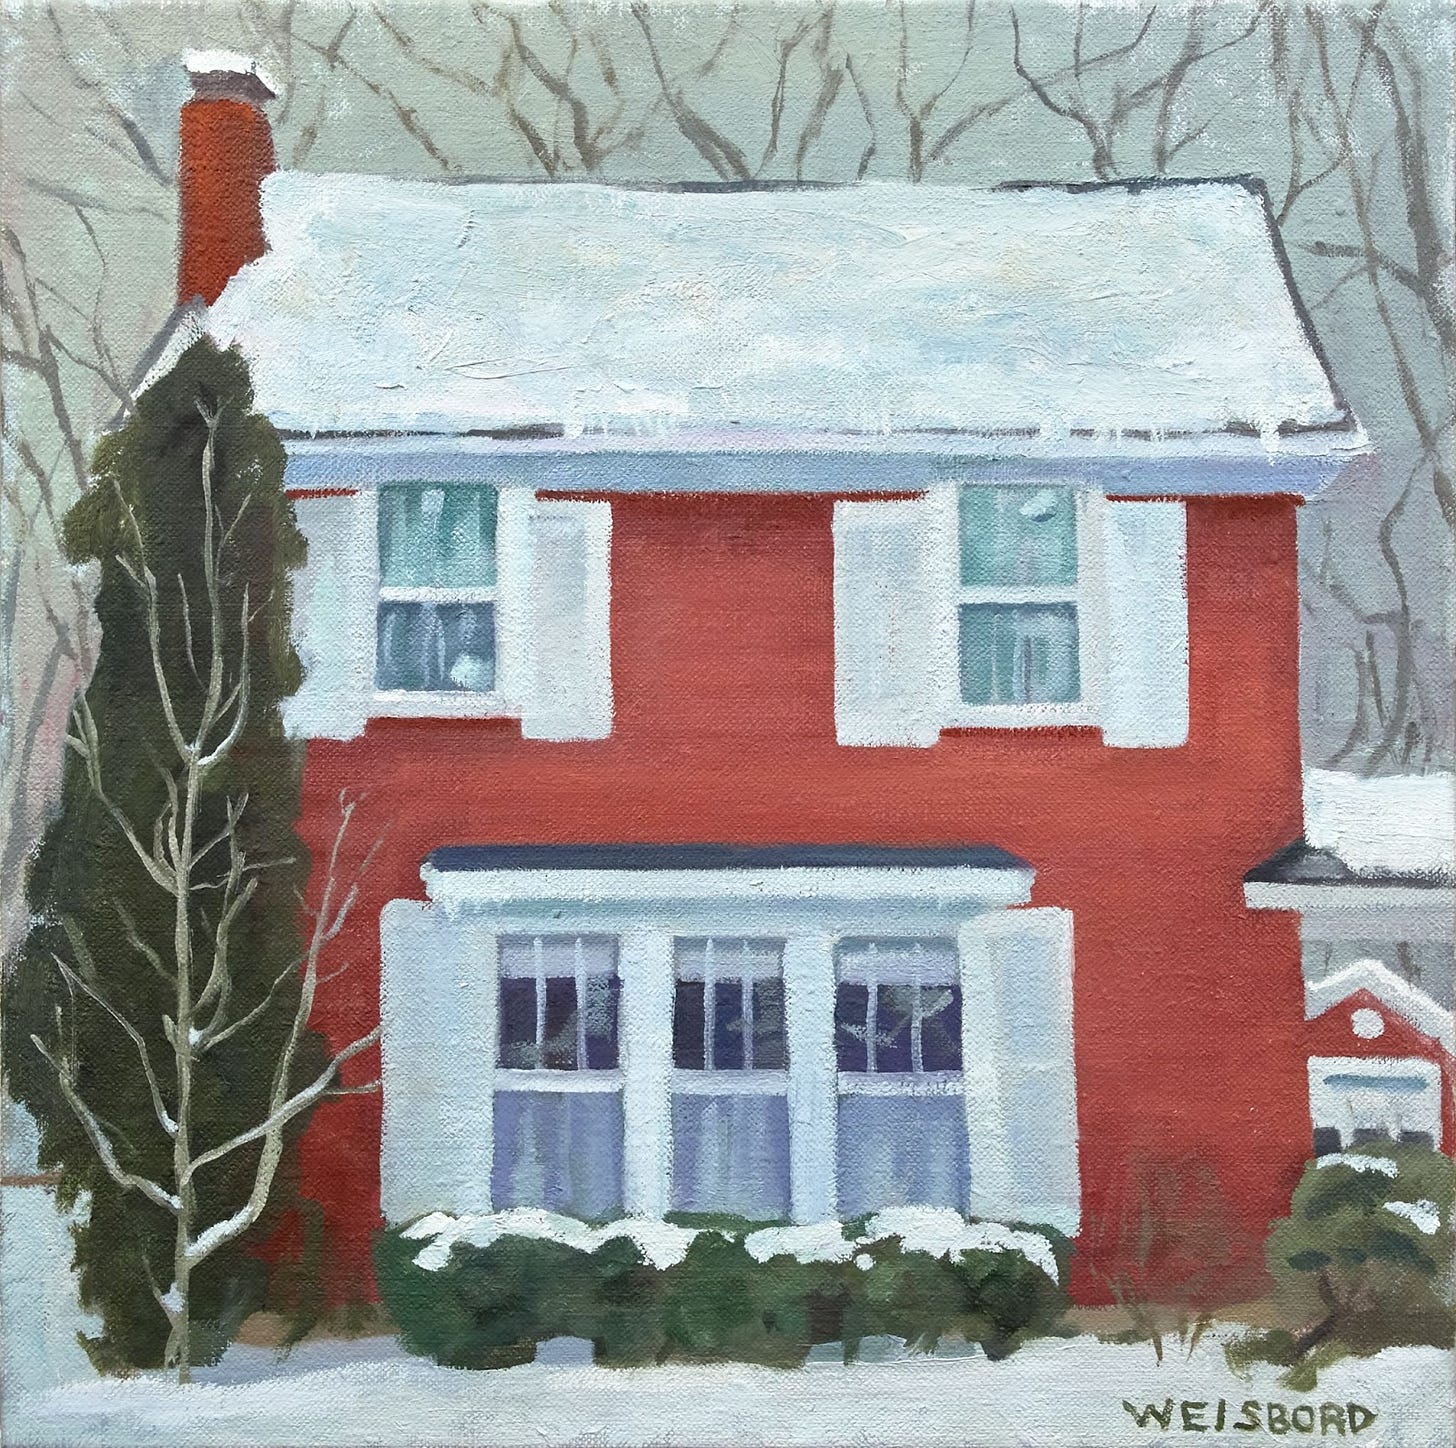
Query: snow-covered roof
[
  {"x": 886, "y": 309},
  {"x": 1399, "y": 996},
  {"x": 1402, "y": 825}
]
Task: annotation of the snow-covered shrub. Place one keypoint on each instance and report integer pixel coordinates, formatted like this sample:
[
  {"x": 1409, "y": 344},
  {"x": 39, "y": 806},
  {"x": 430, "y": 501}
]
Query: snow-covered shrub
[
  {"x": 482, "y": 1292},
  {"x": 1364, "y": 1260}
]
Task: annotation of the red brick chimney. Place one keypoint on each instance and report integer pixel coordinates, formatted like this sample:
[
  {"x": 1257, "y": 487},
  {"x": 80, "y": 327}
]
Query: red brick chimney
[{"x": 226, "y": 151}]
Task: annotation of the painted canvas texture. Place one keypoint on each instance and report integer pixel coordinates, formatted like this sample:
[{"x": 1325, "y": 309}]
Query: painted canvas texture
[{"x": 727, "y": 724}]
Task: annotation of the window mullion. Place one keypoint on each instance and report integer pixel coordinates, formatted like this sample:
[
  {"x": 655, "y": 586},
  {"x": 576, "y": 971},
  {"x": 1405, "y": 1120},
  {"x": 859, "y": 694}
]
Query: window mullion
[
  {"x": 917, "y": 1018},
  {"x": 746, "y": 999},
  {"x": 579, "y": 964},
  {"x": 538, "y": 960},
  {"x": 710, "y": 1004},
  {"x": 872, "y": 1009}
]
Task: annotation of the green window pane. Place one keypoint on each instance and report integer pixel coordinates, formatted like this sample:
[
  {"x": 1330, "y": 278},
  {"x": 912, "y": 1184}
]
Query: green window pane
[
  {"x": 1019, "y": 653},
  {"x": 1018, "y": 536},
  {"x": 437, "y": 535}
]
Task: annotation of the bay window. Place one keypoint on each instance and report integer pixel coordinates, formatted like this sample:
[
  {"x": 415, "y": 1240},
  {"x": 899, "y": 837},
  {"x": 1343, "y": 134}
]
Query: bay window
[{"x": 793, "y": 1070}]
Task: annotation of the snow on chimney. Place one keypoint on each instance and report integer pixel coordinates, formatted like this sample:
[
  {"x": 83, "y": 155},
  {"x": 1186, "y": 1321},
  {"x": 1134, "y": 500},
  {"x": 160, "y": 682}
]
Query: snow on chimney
[{"x": 226, "y": 151}]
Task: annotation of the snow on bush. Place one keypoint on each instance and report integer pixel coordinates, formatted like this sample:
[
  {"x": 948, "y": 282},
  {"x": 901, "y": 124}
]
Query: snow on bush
[
  {"x": 661, "y": 1243},
  {"x": 1381, "y": 1164},
  {"x": 811, "y": 1242},
  {"x": 936, "y": 1231},
  {"x": 942, "y": 1232},
  {"x": 484, "y": 1291}
]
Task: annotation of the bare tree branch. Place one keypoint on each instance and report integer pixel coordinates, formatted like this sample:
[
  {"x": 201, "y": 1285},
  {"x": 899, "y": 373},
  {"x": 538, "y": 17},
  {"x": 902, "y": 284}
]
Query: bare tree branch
[
  {"x": 714, "y": 147},
  {"x": 129, "y": 1181}
]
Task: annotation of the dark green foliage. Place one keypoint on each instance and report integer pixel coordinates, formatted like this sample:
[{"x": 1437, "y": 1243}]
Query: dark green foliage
[
  {"x": 1352, "y": 1276},
  {"x": 88, "y": 891},
  {"x": 489, "y": 1306}
]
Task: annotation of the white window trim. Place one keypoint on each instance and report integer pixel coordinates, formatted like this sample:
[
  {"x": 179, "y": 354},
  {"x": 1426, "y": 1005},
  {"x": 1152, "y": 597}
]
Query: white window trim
[
  {"x": 1088, "y": 593},
  {"x": 557, "y": 1079},
  {"x": 450, "y": 703},
  {"x": 688, "y": 1082}
]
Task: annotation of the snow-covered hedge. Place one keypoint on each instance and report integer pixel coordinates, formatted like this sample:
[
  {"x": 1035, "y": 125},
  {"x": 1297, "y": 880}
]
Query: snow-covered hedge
[
  {"x": 1365, "y": 1260},
  {"x": 484, "y": 1291}
]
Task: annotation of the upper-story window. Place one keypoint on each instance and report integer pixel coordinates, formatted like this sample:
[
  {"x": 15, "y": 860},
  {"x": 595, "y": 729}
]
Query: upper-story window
[
  {"x": 979, "y": 606},
  {"x": 1021, "y": 608},
  {"x": 436, "y": 622}
]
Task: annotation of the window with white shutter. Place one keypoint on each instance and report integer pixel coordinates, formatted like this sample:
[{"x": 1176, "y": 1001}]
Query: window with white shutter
[
  {"x": 982, "y": 606},
  {"x": 453, "y": 600}
]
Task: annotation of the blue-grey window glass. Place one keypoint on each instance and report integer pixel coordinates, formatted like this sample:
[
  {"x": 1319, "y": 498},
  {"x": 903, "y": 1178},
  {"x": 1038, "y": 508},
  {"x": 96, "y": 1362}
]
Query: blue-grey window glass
[
  {"x": 560, "y": 1150},
  {"x": 897, "y": 1008},
  {"x": 728, "y": 1007},
  {"x": 436, "y": 646},
  {"x": 731, "y": 1154},
  {"x": 1018, "y": 536},
  {"x": 437, "y": 535},
  {"x": 1020, "y": 653},
  {"x": 558, "y": 1003},
  {"x": 902, "y": 1151}
]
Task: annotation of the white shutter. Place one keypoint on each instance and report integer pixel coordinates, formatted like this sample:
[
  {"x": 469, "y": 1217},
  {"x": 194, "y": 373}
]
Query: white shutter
[
  {"x": 1020, "y": 1073},
  {"x": 892, "y": 621},
  {"x": 513, "y": 596},
  {"x": 1145, "y": 692},
  {"x": 335, "y": 595},
  {"x": 439, "y": 1012},
  {"x": 569, "y": 694}
]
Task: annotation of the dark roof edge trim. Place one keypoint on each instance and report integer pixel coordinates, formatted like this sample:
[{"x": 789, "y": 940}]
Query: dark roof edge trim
[{"x": 473, "y": 858}]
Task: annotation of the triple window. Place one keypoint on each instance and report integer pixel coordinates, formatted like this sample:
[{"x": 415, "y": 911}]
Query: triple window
[{"x": 897, "y": 1048}]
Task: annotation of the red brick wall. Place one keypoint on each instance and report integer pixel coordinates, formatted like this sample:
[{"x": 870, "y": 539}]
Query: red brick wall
[{"x": 1189, "y": 1008}]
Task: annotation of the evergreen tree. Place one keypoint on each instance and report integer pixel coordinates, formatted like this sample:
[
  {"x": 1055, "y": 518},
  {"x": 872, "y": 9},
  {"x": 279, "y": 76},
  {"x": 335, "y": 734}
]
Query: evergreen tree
[{"x": 202, "y": 595}]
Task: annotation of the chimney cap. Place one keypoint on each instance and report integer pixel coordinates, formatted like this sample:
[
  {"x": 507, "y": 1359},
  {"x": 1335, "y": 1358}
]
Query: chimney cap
[{"x": 226, "y": 74}]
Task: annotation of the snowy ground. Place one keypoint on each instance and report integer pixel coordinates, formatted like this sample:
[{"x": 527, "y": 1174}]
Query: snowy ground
[{"x": 1062, "y": 1394}]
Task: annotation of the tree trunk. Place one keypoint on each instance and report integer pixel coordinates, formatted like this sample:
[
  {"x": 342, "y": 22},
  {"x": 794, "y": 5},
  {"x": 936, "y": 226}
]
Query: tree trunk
[
  {"x": 182, "y": 1045},
  {"x": 179, "y": 1344}
]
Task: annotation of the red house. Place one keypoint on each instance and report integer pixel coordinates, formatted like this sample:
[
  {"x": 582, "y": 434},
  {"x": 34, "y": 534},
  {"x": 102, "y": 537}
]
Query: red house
[{"x": 820, "y": 664}]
